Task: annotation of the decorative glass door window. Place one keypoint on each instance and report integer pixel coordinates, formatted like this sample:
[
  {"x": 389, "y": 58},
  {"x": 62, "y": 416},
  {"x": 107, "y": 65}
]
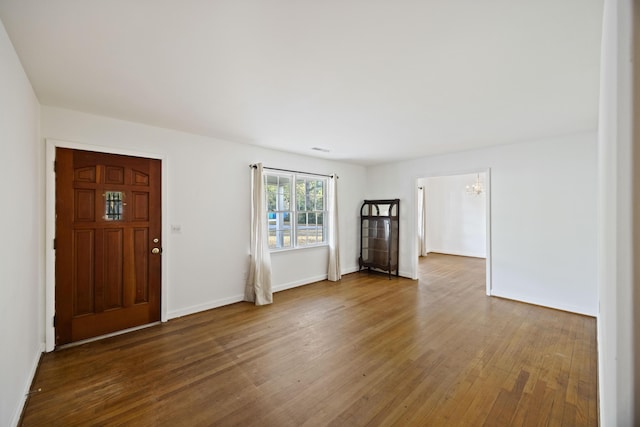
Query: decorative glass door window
[{"x": 113, "y": 205}]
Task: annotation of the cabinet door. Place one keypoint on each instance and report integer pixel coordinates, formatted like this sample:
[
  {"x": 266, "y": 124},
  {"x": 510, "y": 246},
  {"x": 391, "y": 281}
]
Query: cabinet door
[
  {"x": 394, "y": 243},
  {"x": 381, "y": 242},
  {"x": 366, "y": 235}
]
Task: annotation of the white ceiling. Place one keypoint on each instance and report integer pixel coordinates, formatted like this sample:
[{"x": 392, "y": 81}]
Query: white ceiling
[{"x": 373, "y": 81}]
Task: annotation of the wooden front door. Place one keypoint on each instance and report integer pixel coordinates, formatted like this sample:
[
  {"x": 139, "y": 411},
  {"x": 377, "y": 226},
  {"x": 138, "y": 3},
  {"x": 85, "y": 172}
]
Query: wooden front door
[{"x": 108, "y": 243}]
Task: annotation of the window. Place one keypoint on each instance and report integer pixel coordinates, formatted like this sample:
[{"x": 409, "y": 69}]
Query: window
[
  {"x": 298, "y": 198},
  {"x": 113, "y": 205}
]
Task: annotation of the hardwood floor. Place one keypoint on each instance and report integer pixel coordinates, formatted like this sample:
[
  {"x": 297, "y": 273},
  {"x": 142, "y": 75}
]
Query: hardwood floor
[{"x": 365, "y": 351}]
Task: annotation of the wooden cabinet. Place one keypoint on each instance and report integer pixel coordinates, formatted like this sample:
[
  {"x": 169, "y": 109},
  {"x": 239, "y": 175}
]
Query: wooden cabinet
[{"x": 379, "y": 235}]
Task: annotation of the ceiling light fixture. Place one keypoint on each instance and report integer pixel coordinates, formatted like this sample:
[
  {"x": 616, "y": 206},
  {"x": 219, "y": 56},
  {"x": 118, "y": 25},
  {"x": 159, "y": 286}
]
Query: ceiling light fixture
[{"x": 476, "y": 188}]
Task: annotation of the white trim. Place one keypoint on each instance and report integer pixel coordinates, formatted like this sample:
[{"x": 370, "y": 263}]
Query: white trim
[
  {"x": 296, "y": 283},
  {"x": 206, "y": 306},
  {"x": 353, "y": 269},
  {"x": 298, "y": 248},
  {"x": 240, "y": 297},
  {"x": 488, "y": 269},
  {"x": 50, "y": 226},
  {"x": 112, "y": 334},
  {"x": 446, "y": 252},
  {"x": 414, "y": 222},
  {"x": 543, "y": 303},
  {"x": 404, "y": 274},
  {"x": 27, "y": 388}
]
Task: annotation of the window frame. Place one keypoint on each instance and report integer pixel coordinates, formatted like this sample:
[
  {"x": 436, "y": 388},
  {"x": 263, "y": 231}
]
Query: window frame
[{"x": 294, "y": 212}]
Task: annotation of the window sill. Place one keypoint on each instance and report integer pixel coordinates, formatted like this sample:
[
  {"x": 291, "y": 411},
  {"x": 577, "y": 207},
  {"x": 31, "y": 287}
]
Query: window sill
[{"x": 300, "y": 248}]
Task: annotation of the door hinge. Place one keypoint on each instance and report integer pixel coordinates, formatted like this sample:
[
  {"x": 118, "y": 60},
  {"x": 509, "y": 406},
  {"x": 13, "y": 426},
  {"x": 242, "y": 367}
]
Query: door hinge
[
  {"x": 54, "y": 244},
  {"x": 55, "y": 164},
  {"x": 54, "y": 320}
]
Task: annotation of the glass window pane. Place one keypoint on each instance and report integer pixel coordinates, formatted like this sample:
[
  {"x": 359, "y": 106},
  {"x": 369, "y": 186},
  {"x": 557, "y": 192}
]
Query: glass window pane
[
  {"x": 278, "y": 192},
  {"x": 113, "y": 205},
  {"x": 314, "y": 195},
  {"x": 279, "y": 239},
  {"x": 302, "y": 240},
  {"x": 271, "y": 197},
  {"x": 301, "y": 195},
  {"x": 284, "y": 193},
  {"x": 279, "y": 225},
  {"x": 320, "y": 198},
  {"x": 302, "y": 219}
]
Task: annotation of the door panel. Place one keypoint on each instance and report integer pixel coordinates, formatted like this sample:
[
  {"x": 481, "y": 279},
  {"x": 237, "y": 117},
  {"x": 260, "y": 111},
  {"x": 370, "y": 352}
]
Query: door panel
[
  {"x": 83, "y": 296},
  {"x": 140, "y": 249},
  {"x": 107, "y": 222},
  {"x": 113, "y": 255}
]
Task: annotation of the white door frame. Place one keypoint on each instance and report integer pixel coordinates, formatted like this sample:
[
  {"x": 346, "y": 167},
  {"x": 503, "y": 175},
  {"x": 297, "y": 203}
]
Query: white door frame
[
  {"x": 50, "y": 226},
  {"x": 416, "y": 246}
]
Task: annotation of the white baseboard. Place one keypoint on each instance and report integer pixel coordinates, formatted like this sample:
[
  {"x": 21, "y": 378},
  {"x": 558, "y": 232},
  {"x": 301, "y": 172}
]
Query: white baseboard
[
  {"x": 205, "y": 306},
  {"x": 445, "y": 252},
  {"x": 542, "y": 303},
  {"x": 295, "y": 284},
  {"x": 405, "y": 274},
  {"x": 238, "y": 298},
  {"x": 350, "y": 270},
  {"x": 401, "y": 273},
  {"x": 27, "y": 387}
]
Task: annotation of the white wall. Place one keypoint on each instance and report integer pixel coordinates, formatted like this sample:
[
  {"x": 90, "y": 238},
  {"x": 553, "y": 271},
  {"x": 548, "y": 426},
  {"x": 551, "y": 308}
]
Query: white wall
[
  {"x": 456, "y": 220},
  {"x": 21, "y": 251},
  {"x": 543, "y": 216},
  {"x": 208, "y": 195},
  {"x": 617, "y": 356}
]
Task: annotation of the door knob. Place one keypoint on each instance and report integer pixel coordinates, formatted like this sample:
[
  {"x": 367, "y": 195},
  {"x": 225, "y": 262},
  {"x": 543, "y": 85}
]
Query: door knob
[{"x": 155, "y": 250}]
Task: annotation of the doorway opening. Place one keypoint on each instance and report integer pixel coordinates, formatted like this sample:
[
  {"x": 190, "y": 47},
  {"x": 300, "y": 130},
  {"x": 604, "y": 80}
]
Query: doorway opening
[{"x": 453, "y": 217}]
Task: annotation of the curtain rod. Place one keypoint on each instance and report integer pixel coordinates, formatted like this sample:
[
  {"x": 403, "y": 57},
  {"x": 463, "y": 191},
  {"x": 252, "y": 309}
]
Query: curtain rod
[{"x": 289, "y": 170}]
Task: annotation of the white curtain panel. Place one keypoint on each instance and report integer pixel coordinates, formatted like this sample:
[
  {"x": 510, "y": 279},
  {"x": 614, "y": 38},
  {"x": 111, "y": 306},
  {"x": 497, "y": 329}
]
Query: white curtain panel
[
  {"x": 334, "y": 250},
  {"x": 258, "y": 288}
]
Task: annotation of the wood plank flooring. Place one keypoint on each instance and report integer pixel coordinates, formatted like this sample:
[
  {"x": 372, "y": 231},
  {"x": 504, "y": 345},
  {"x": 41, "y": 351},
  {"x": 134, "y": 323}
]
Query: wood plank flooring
[{"x": 364, "y": 351}]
